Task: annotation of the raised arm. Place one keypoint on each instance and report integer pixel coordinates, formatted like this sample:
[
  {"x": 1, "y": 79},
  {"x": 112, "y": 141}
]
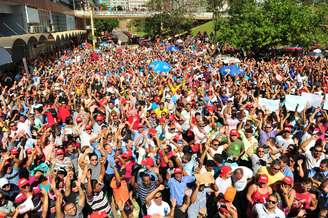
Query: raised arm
[{"x": 151, "y": 195}]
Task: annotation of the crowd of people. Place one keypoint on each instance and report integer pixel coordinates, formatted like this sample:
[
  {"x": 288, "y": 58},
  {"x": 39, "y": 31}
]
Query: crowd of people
[{"x": 89, "y": 133}]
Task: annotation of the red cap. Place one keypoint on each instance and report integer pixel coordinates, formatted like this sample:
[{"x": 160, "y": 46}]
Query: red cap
[
  {"x": 152, "y": 131},
  {"x": 124, "y": 101},
  {"x": 148, "y": 162},
  {"x": 59, "y": 152},
  {"x": 156, "y": 99},
  {"x": 14, "y": 151},
  {"x": 234, "y": 132},
  {"x": 225, "y": 170},
  {"x": 162, "y": 120},
  {"x": 249, "y": 106},
  {"x": 195, "y": 148},
  {"x": 127, "y": 154},
  {"x": 88, "y": 127},
  {"x": 177, "y": 170},
  {"x": 22, "y": 182},
  {"x": 172, "y": 117},
  {"x": 98, "y": 214},
  {"x": 99, "y": 117},
  {"x": 29, "y": 150},
  {"x": 287, "y": 129},
  {"x": 78, "y": 119},
  {"x": 288, "y": 180},
  {"x": 102, "y": 102},
  {"x": 263, "y": 179}
]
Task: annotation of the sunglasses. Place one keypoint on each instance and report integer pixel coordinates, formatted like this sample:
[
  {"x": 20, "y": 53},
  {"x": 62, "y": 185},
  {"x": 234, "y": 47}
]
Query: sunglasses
[
  {"x": 319, "y": 151},
  {"x": 271, "y": 201},
  {"x": 159, "y": 196},
  {"x": 25, "y": 186},
  {"x": 276, "y": 168},
  {"x": 93, "y": 159}
]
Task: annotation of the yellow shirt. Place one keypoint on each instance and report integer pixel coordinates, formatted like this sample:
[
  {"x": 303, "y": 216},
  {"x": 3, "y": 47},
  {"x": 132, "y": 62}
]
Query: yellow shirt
[
  {"x": 159, "y": 112},
  {"x": 272, "y": 178}
]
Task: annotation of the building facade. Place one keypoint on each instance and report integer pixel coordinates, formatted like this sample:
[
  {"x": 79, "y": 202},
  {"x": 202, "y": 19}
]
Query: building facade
[{"x": 31, "y": 27}]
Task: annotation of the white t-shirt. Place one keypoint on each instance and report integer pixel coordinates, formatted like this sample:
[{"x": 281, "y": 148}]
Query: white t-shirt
[
  {"x": 284, "y": 142},
  {"x": 311, "y": 162},
  {"x": 223, "y": 184},
  {"x": 240, "y": 185},
  {"x": 162, "y": 210},
  {"x": 260, "y": 211}
]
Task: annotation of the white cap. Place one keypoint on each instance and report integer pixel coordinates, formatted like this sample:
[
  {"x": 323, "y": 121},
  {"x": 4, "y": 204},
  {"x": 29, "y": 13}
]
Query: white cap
[{"x": 3, "y": 182}]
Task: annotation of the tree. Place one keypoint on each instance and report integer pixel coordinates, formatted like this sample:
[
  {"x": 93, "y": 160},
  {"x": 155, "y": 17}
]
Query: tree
[
  {"x": 255, "y": 25},
  {"x": 171, "y": 17},
  {"x": 105, "y": 25}
]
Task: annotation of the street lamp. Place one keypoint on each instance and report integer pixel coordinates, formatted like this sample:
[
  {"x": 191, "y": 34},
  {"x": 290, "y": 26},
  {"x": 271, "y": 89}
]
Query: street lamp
[{"x": 90, "y": 8}]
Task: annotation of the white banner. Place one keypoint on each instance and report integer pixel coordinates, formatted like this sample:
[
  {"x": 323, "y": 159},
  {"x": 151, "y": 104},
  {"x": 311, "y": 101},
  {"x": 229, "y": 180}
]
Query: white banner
[
  {"x": 313, "y": 100},
  {"x": 271, "y": 105},
  {"x": 293, "y": 101},
  {"x": 325, "y": 104}
]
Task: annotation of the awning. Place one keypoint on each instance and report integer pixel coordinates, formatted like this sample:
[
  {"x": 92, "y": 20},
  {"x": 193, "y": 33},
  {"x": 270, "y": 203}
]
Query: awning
[
  {"x": 8, "y": 41},
  {"x": 5, "y": 57}
]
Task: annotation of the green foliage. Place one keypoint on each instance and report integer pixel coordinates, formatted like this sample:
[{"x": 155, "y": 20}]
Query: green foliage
[
  {"x": 254, "y": 26},
  {"x": 168, "y": 21},
  {"x": 105, "y": 25}
]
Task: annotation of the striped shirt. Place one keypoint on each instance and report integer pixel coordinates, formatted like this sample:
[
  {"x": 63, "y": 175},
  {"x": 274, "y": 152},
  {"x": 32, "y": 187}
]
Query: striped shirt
[
  {"x": 143, "y": 190},
  {"x": 99, "y": 202}
]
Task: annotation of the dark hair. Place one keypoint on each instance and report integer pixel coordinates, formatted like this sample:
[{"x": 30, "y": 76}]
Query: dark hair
[
  {"x": 275, "y": 162},
  {"x": 324, "y": 161}
]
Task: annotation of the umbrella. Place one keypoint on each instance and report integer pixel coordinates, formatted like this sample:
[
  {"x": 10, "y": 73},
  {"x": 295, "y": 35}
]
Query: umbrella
[
  {"x": 160, "y": 66},
  {"x": 317, "y": 50},
  {"x": 232, "y": 70},
  {"x": 5, "y": 57},
  {"x": 172, "y": 48}
]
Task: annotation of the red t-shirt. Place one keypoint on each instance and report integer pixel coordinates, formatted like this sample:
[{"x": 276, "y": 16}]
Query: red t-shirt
[{"x": 63, "y": 113}]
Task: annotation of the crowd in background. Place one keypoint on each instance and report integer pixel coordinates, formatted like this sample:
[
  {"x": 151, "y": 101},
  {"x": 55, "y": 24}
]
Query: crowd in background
[{"x": 89, "y": 133}]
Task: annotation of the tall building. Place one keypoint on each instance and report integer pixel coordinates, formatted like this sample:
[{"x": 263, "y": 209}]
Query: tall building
[{"x": 30, "y": 27}]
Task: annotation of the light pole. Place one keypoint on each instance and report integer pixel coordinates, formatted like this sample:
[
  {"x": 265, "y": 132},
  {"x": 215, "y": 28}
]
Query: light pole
[{"x": 92, "y": 24}]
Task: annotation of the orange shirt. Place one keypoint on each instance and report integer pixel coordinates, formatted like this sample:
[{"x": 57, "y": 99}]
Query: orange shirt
[{"x": 121, "y": 194}]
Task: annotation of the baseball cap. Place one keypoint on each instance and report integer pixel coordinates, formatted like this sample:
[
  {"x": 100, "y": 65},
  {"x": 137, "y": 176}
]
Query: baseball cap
[
  {"x": 127, "y": 154},
  {"x": 162, "y": 120},
  {"x": 99, "y": 117},
  {"x": 225, "y": 170},
  {"x": 287, "y": 129},
  {"x": 148, "y": 162},
  {"x": 152, "y": 131},
  {"x": 263, "y": 179},
  {"x": 102, "y": 102},
  {"x": 88, "y": 127},
  {"x": 29, "y": 150},
  {"x": 22, "y": 182},
  {"x": 288, "y": 180},
  {"x": 234, "y": 132},
  {"x": 3, "y": 182},
  {"x": 14, "y": 151},
  {"x": 78, "y": 119},
  {"x": 98, "y": 214},
  {"x": 59, "y": 152},
  {"x": 177, "y": 170}
]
